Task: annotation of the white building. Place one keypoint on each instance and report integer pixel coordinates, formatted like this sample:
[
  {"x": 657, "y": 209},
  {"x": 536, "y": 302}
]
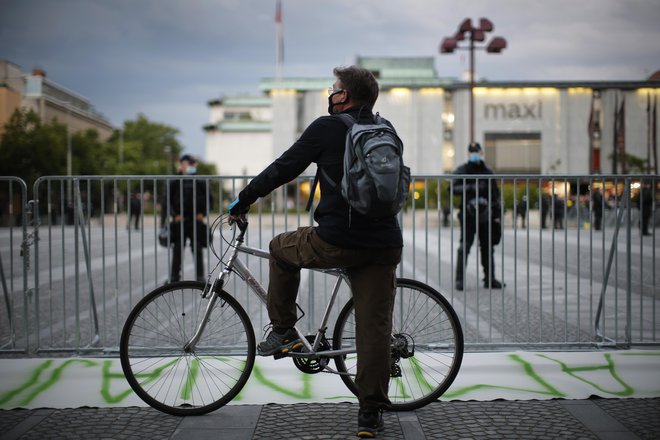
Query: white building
[
  {"x": 525, "y": 127},
  {"x": 239, "y": 139}
]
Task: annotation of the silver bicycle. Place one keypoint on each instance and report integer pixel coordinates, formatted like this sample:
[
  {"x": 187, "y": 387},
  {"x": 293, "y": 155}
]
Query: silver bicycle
[{"x": 188, "y": 348}]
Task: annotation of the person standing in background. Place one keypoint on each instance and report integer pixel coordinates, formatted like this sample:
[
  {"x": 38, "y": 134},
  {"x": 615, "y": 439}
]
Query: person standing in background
[
  {"x": 482, "y": 209},
  {"x": 134, "y": 203},
  {"x": 188, "y": 205},
  {"x": 597, "y": 208},
  {"x": 557, "y": 212},
  {"x": 522, "y": 210},
  {"x": 645, "y": 202}
]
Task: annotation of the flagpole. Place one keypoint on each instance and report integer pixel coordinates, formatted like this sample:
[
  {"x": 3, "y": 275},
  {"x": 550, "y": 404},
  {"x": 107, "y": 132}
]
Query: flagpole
[{"x": 279, "y": 43}]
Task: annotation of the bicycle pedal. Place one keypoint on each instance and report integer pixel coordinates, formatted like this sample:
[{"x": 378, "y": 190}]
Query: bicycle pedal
[
  {"x": 294, "y": 347},
  {"x": 285, "y": 351}
]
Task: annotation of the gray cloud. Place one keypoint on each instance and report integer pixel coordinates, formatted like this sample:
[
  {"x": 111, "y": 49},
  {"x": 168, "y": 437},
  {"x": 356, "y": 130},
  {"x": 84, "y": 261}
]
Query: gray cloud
[{"x": 167, "y": 58}]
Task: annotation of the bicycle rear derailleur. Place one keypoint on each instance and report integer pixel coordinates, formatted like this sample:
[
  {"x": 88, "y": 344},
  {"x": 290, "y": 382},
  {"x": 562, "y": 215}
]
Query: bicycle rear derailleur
[{"x": 403, "y": 347}]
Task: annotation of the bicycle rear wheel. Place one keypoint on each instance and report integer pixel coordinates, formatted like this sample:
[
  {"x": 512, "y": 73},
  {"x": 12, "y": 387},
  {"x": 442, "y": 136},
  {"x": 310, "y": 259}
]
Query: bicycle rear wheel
[
  {"x": 175, "y": 381},
  {"x": 427, "y": 346}
]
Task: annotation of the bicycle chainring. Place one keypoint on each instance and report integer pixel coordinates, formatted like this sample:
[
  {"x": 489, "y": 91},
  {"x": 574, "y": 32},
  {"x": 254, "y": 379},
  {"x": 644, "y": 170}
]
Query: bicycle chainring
[{"x": 313, "y": 365}]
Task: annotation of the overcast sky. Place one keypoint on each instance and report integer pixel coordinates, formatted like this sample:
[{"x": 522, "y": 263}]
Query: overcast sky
[{"x": 168, "y": 58}]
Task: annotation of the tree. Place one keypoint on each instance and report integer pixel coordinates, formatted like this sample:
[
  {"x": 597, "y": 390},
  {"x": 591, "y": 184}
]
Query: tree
[
  {"x": 633, "y": 164},
  {"x": 29, "y": 149},
  {"x": 145, "y": 148}
]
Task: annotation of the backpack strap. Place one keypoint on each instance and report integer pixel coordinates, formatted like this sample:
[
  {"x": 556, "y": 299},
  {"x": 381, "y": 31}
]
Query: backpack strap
[
  {"x": 347, "y": 119},
  {"x": 319, "y": 170},
  {"x": 312, "y": 190}
]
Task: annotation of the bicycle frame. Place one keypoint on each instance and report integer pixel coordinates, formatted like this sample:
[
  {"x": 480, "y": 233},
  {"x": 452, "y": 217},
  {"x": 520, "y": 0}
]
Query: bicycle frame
[{"x": 236, "y": 265}]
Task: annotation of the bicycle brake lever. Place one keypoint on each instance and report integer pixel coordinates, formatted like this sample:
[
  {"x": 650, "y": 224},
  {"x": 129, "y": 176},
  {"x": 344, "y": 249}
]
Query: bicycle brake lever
[{"x": 240, "y": 221}]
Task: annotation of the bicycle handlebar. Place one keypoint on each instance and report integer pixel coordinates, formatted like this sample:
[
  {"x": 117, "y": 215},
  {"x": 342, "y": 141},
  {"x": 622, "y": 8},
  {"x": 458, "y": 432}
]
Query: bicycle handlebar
[{"x": 240, "y": 220}]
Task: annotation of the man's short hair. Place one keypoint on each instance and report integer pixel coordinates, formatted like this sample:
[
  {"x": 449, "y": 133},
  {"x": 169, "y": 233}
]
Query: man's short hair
[
  {"x": 474, "y": 147},
  {"x": 360, "y": 84}
]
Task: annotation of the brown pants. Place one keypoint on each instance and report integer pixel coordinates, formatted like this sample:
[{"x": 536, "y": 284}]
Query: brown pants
[{"x": 372, "y": 275}]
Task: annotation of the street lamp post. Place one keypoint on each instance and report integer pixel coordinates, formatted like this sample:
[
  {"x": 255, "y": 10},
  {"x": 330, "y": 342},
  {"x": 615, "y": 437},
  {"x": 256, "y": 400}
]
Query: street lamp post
[
  {"x": 474, "y": 34},
  {"x": 168, "y": 150}
]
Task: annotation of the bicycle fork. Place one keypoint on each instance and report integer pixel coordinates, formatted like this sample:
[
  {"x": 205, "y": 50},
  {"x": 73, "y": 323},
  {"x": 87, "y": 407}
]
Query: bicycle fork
[{"x": 189, "y": 347}]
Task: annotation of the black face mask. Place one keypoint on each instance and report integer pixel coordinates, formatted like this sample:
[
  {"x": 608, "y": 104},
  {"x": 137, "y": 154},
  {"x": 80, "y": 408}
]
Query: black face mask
[{"x": 331, "y": 105}]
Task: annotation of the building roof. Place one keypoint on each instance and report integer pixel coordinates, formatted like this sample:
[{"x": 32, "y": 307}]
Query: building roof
[
  {"x": 420, "y": 72},
  {"x": 240, "y": 126},
  {"x": 399, "y": 67},
  {"x": 242, "y": 101}
]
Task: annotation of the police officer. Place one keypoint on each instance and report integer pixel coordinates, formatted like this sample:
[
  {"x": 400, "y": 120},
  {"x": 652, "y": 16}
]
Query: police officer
[
  {"x": 188, "y": 205},
  {"x": 479, "y": 212}
]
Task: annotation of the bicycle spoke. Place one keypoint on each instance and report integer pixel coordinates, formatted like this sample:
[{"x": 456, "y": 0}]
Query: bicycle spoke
[
  {"x": 429, "y": 343},
  {"x": 171, "y": 379}
]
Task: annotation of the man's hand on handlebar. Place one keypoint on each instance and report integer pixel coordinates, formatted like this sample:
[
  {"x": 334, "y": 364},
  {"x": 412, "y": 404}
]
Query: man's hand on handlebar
[
  {"x": 237, "y": 208},
  {"x": 237, "y": 213}
]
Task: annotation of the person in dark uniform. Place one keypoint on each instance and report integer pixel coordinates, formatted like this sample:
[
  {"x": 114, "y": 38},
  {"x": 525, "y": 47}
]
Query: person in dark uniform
[
  {"x": 557, "y": 212},
  {"x": 135, "y": 211},
  {"x": 645, "y": 203},
  {"x": 479, "y": 212},
  {"x": 188, "y": 205},
  {"x": 597, "y": 204},
  {"x": 545, "y": 209},
  {"x": 522, "y": 210}
]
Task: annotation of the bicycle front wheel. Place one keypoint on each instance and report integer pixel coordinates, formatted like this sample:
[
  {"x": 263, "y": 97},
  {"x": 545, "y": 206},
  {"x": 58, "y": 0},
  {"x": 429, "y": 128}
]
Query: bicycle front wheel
[
  {"x": 186, "y": 382},
  {"x": 427, "y": 346}
]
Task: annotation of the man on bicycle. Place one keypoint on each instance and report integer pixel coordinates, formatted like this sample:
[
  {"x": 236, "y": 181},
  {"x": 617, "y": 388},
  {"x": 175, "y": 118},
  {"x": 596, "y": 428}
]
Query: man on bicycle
[{"x": 370, "y": 249}]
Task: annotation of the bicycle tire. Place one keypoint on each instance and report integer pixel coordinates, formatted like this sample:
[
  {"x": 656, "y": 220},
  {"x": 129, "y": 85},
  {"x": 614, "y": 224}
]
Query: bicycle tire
[
  {"x": 422, "y": 318},
  {"x": 171, "y": 380}
]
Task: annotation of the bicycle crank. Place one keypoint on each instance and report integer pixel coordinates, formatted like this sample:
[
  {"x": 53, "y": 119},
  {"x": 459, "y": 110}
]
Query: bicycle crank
[{"x": 313, "y": 365}]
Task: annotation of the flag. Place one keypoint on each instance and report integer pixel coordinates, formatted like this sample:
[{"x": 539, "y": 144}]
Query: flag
[
  {"x": 654, "y": 133},
  {"x": 615, "y": 155},
  {"x": 620, "y": 137},
  {"x": 591, "y": 130},
  {"x": 649, "y": 135}
]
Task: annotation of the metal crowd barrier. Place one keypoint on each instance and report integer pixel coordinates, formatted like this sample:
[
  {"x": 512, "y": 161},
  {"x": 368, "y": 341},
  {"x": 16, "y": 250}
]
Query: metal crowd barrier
[
  {"x": 578, "y": 271},
  {"x": 14, "y": 265}
]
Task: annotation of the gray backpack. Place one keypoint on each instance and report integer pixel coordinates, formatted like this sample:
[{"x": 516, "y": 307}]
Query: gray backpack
[{"x": 376, "y": 182}]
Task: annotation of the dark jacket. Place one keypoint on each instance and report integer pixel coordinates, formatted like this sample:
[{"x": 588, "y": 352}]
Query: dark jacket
[
  {"x": 323, "y": 143},
  {"x": 189, "y": 192},
  {"x": 470, "y": 188}
]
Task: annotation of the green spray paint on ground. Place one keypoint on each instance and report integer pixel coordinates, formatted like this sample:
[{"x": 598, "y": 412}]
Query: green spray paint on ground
[{"x": 113, "y": 388}]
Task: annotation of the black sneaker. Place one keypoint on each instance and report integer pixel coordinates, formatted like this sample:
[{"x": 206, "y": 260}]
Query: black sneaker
[
  {"x": 494, "y": 284},
  {"x": 369, "y": 423},
  {"x": 279, "y": 343}
]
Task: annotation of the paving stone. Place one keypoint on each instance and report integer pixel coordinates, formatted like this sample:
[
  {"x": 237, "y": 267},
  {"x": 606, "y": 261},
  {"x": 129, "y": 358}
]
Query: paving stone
[
  {"x": 104, "y": 423},
  {"x": 496, "y": 420},
  {"x": 525, "y": 419},
  {"x": 641, "y": 416},
  {"x": 332, "y": 421},
  {"x": 9, "y": 419}
]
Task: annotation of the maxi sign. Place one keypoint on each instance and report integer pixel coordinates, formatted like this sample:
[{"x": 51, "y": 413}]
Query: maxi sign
[{"x": 531, "y": 110}]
